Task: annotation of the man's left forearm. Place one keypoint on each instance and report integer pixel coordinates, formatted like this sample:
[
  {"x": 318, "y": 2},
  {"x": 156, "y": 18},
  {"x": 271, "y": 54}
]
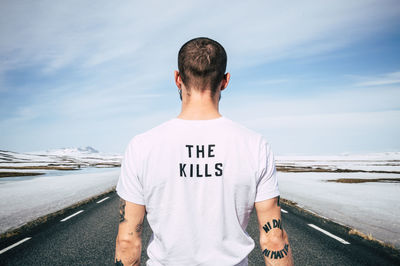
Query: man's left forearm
[{"x": 276, "y": 249}]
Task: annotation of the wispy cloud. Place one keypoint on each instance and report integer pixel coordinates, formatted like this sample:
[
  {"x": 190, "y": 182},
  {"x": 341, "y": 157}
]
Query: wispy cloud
[
  {"x": 359, "y": 118},
  {"x": 58, "y": 35},
  {"x": 346, "y": 99},
  {"x": 384, "y": 79},
  {"x": 341, "y": 132}
]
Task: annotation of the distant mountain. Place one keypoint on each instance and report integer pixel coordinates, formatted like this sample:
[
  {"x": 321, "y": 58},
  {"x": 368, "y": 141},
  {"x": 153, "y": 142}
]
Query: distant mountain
[
  {"x": 81, "y": 151},
  {"x": 88, "y": 149}
]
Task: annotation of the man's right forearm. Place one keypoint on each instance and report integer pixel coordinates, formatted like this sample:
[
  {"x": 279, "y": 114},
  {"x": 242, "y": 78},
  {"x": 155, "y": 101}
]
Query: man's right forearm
[
  {"x": 128, "y": 244},
  {"x": 127, "y": 252},
  {"x": 276, "y": 248}
]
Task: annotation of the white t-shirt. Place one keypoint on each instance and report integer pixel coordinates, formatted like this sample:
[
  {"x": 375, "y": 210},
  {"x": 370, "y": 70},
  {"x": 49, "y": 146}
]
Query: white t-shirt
[{"x": 199, "y": 180}]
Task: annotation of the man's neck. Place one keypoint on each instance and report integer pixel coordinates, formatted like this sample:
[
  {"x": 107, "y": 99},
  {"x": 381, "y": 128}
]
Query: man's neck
[{"x": 199, "y": 106}]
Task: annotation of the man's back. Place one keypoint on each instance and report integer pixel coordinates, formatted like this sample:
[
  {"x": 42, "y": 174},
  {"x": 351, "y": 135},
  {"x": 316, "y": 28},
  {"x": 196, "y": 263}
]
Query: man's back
[
  {"x": 199, "y": 180},
  {"x": 198, "y": 176}
]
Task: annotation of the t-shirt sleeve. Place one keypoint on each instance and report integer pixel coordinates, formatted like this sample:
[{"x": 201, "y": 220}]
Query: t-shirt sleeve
[
  {"x": 129, "y": 186},
  {"x": 267, "y": 186}
]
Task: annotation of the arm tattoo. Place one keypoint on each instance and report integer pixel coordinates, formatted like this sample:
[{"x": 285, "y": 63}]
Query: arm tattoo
[
  {"x": 277, "y": 254},
  {"x": 275, "y": 224},
  {"x": 119, "y": 263},
  {"x": 278, "y": 203},
  {"x": 122, "y": 204},
  {"x": 139, "y": 228}
]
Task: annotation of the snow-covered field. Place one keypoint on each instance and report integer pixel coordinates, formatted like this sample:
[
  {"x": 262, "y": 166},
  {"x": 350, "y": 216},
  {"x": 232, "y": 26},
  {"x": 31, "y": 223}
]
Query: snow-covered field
[
  {"x": 385, "y": 162},
  {"x": 69, "y": 175},
  {"x": 68, "y": 158},
  {"x": 371, "y": 207},
  {"x": 23, "y": 199}
]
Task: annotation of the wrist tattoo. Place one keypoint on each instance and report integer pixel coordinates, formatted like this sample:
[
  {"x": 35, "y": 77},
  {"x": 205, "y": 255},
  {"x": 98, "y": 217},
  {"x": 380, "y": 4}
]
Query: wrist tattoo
[
  {"x": 122, "y": 204},
  {"x": 275, "y": 224},
  {"x": 276, "y": 254},
  {"x": 119, "y": 263}
]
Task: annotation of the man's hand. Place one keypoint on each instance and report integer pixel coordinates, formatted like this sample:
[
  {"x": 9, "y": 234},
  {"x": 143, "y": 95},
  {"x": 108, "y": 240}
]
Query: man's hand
[
  {"x": 273, "y": 238},
  {"x": 129, "y": 242}
]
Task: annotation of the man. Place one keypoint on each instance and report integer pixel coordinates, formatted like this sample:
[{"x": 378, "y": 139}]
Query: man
[{"x": 198, "y": 177}]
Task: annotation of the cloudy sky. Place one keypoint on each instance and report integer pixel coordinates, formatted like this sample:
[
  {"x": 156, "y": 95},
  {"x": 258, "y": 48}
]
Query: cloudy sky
[{"x": 315, "y": 77}]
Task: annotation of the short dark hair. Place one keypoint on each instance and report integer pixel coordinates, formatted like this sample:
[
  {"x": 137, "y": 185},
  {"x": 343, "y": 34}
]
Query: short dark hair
[{"x": 202, "y": 63}]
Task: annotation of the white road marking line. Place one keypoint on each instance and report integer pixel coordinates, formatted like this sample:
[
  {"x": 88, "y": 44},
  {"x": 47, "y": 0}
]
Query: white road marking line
[
  {"x": 14, "y": 245},
  {"x": 103, "y": 200},
  {"x": 72, "y": 215},
  {"x": 282, "y": 210},
  {"x": 329, "y": 234}
]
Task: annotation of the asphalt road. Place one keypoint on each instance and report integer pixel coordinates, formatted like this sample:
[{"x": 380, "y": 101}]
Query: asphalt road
[{"x": 88, "y": 238}]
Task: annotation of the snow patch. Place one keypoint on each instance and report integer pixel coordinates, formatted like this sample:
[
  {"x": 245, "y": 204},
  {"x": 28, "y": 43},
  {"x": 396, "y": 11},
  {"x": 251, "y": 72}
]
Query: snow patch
[
  {"x": 384, "y": 162},
  {"x": 65, "y": 157}
]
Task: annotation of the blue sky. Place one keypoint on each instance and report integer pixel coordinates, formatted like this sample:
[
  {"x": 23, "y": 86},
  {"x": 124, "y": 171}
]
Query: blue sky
[{"x": 314, "y": 77}]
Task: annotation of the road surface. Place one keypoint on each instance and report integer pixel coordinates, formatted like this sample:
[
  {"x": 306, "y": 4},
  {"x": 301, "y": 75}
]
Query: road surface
[{"x": 86, "y": 236}]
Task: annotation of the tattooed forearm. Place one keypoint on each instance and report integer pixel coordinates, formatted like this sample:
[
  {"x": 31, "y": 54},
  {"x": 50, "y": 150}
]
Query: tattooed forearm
[
  {"x": 119, "y": 263},
  {"x": 122, "y": 204},
  {"x": 275, "y": 224},
  {"x": 277, "y": 254}
]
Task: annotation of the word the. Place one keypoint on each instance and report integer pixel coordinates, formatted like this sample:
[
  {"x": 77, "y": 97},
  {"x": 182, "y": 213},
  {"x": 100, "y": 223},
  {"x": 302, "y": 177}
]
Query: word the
[
  {"x": 200, "y": 151},
  {"x": 275, "y": 224},
  {"x": 276, "y": 254}
]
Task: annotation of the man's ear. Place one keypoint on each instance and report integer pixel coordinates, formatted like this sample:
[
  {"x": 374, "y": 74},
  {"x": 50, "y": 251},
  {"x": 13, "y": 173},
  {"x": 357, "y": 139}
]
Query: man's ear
[
  {"x": 178, "y": 79},
  {"x": 225, "y": 81}
]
